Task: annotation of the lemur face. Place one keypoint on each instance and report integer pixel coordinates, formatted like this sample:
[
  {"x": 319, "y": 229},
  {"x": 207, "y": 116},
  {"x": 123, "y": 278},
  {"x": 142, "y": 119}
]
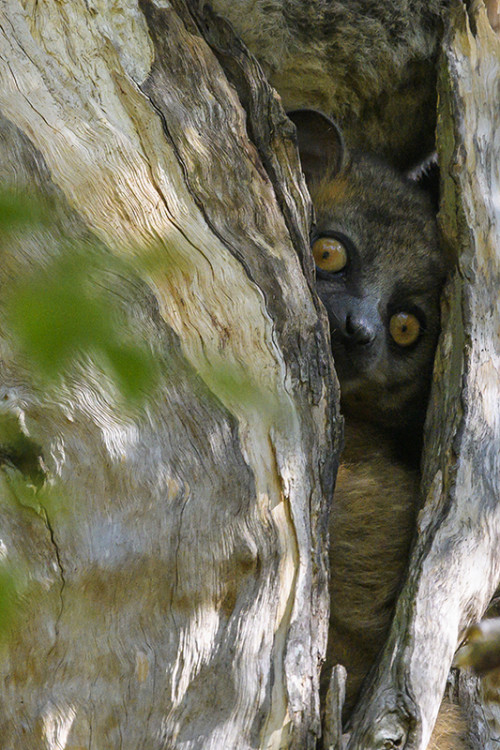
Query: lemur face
[{"x": 379, "y": 271}]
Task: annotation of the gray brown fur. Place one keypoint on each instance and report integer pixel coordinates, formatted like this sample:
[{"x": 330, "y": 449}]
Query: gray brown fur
[
  {"x": 372, "y": 527},
  {"x": 393, "y": 231},
  {"x": 389, "y": 227},
  {"x": 370, "y": 65},
  {"x": 392, "y": 226}
]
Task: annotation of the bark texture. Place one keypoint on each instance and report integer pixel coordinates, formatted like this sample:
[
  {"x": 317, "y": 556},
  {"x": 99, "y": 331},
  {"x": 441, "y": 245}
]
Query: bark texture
[
  {"x": 178, "y": 598},
  {"x": 455, "y": 567},
  {"x": 370, "y": 66}
]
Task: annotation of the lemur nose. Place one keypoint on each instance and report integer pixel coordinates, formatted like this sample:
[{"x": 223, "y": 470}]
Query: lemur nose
[{"x": 358, "y": 329}]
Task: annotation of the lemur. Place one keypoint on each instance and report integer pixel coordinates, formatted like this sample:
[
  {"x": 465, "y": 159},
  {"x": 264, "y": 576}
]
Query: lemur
[
  {"x": 371, "y": 66},
  {"x": 379, "y": 274}
]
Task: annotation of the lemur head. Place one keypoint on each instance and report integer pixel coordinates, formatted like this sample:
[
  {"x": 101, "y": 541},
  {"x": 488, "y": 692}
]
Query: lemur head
[{"x": 379, "y": 271}]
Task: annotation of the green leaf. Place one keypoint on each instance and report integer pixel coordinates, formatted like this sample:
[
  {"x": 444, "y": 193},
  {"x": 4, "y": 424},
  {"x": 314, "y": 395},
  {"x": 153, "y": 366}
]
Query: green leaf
[
  {"x": 18, "y": 210},
  {"x": 133, "y": 368},
  {"x": 67, "y": 308},
  {"x": 54, "y": 316}
]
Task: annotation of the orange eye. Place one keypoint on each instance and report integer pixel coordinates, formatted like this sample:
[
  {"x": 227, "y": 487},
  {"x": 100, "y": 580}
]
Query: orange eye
[
  {"x": 404, "y": 328},
  {"x": 329, "y": 254}
]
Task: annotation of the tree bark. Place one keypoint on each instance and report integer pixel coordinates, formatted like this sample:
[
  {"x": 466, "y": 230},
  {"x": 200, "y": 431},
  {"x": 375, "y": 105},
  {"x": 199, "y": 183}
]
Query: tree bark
[
  {"x": 455, "y": 567},
  {"x": 178, "y": 597}
]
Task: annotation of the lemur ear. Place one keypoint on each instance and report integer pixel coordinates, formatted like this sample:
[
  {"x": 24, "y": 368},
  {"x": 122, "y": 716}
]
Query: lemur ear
[{"x": 320, "y": 142}]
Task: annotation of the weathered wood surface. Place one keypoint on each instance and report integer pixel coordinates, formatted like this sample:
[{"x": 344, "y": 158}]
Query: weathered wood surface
[
  {"x": 180, "y": 600},
  {"x": 455, "y": 567},
  {"x": 370, "y": 66}
]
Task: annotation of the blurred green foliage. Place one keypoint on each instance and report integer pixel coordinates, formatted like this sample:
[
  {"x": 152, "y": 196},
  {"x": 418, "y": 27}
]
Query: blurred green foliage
[
  {"x": 11, "y": 586},
  {"x": 62, "y": 310},
  {"x": 20, "y": 211},
  {"x": 69, "y": 309},
  {"x": 233, "y": 385},
  {"x": 44, "y": 499},
  {"x": 66, "y": 310}
]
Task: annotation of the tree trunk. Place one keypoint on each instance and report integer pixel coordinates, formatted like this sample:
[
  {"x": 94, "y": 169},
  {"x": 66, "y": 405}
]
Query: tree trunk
[
  {"x": 455, "y": 566},
  {"x": 177, "y": 597}
]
